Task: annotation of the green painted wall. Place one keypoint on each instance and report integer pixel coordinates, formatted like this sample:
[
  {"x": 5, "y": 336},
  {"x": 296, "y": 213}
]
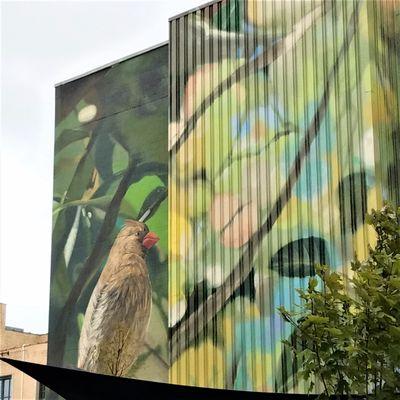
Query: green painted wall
[{"x": 110, "y": 161}]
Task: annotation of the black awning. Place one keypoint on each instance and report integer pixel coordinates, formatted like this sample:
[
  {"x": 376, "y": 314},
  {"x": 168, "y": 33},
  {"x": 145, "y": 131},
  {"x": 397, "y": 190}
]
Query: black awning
[{"x": 81, "y": 385}]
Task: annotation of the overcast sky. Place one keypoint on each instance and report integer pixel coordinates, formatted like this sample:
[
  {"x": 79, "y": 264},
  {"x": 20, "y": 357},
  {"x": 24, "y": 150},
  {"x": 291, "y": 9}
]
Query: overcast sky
[{"x": 43, "y": 43}]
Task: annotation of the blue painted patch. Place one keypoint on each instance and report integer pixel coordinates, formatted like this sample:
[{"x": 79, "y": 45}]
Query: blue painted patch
[
  {"x": 263, "y": 336},
  {"x": 314, "y": 175},
  {"x": 265, "y": 114}
]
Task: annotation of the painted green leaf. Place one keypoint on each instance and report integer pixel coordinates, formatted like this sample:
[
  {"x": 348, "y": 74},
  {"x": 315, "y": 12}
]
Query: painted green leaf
[
  {"x": 103, "y": 155},
  {"x": 138, "y": 192},
  {"x": 352, "y": 193},
  {"x": 67, "y": 137},
  {"x": 100, "y": 202},
  {"x": 152, "y": 202},
  {"x": 298, "y": 258}
]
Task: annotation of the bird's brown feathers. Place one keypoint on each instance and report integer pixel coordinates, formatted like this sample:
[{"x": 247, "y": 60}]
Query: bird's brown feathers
[{"x": 118, "y": 312}]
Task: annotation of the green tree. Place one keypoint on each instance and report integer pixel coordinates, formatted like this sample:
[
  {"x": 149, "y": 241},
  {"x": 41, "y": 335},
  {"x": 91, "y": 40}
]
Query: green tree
[{"x": 348, "y": 341}]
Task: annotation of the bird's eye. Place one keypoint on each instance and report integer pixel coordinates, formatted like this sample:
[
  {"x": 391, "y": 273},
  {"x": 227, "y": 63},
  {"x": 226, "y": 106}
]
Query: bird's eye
[{"x": 137, "y": 233}]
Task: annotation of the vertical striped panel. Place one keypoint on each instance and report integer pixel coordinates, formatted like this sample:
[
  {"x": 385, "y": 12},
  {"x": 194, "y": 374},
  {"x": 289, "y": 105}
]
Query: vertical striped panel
[
  {"x": 384, "y": 31},
  {"x": 284, "y": 131}
]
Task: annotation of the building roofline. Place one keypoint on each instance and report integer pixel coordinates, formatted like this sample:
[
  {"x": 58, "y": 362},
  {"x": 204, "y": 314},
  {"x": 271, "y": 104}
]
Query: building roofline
[
  {"x": 194, "y": 9},
  {"x": 110, "y": 64},
  {"x": 14, "y": 329}
]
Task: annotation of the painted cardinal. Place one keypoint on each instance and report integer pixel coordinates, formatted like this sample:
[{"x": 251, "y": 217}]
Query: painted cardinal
[{"x": 118, "y": 313}]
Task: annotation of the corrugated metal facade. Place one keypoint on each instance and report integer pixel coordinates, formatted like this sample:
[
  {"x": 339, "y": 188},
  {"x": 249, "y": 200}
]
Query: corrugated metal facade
[{"x": 284, "y": 132}]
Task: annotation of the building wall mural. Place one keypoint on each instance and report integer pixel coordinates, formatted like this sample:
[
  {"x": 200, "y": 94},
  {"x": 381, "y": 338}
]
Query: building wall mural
[
  {"x": 108, "y": 307},
  {"x": 284, "y": 131}
]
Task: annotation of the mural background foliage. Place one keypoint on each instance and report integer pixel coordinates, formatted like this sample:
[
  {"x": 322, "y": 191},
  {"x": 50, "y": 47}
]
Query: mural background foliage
[
  {"x": 110, "y": 162},
  {"x": 284, "y": 130}
]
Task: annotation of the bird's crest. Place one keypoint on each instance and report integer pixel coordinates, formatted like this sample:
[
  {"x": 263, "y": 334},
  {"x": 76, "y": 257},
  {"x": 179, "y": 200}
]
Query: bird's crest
[{"x": 130, "y": 222}]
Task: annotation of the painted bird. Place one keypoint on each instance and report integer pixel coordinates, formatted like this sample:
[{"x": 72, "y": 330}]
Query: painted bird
[{"x": 117, "y": 316}]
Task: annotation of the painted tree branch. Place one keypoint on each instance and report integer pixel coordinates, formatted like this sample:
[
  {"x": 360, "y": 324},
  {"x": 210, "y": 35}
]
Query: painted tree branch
[
  {"x": 264, "y": 59},
  {"x": 196, "y": 323},
  {"x": 92, "y": 262}
]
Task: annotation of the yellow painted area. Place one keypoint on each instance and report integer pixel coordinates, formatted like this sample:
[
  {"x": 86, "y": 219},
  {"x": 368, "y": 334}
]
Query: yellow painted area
[
  {"x": 275, "y": 16},
  {"x": 180, "y": 235},
  {"x": 190, "y": 154},
  {"x": 194, "y": 198},
  {"x": 257, "y": 364},
  {"x": 202, "y": 365},
  {"x": 366, "y": 85}
]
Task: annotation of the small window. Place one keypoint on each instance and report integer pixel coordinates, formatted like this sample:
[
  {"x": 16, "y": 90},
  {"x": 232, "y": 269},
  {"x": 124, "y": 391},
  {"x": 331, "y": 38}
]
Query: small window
[{"x": 5, "y": 387}]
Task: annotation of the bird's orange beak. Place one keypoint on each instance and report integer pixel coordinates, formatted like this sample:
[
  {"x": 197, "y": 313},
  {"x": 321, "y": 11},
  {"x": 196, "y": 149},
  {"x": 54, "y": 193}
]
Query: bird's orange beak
[{"x": 150, "y": 240}]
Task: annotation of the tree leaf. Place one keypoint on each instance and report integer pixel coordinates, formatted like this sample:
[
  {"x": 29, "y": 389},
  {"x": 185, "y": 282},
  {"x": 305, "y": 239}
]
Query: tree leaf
[{"x": 317, "y": 319}]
